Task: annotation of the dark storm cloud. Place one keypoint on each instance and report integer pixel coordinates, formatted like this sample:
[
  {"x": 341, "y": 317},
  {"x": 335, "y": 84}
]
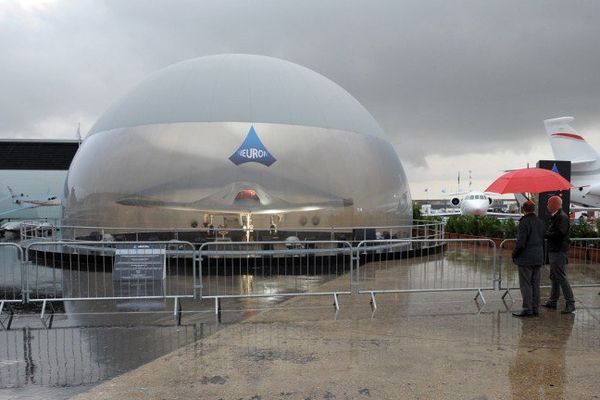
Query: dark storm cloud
[{"x": 441, "y": 77}]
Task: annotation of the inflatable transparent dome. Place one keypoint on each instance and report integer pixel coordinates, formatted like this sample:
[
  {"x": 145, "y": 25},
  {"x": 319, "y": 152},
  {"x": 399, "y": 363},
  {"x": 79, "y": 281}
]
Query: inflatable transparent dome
[{"x": 234, "y": 140}]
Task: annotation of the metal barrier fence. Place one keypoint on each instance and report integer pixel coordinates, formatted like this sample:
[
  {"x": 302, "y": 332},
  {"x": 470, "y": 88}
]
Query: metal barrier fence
[
  {"x": 75, "y": 271},
  {"x": 39, "y": 230},
  {"x": 11, "y": 281},
  {"x": 32, "y": 230},
  {"x": 398, "y": 266},
  {"x": 85, "y": 270},
  {"x": 267, "y": 269},
  {"x": 583, "y": 267}
]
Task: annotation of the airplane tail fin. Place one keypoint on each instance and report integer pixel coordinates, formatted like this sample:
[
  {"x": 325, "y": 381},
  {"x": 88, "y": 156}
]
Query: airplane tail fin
[
  {"x": 16, "y": 198},
  {"x": 567, "y": 144},
  {"x": 12, "y": 193}
]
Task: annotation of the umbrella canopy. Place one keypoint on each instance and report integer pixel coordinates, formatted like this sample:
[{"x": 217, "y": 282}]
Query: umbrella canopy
[{"x": 529, "y": 180}]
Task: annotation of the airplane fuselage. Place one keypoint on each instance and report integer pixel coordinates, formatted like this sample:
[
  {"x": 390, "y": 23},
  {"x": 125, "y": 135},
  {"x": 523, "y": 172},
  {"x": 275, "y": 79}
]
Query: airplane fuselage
[
  {"x": 475, "y": 204},
  {"x": 585, "y": 193}
]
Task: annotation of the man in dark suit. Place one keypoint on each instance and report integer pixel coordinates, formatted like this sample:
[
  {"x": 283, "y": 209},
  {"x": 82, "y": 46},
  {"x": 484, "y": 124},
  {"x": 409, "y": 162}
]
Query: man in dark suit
[
  {"x": 558, "y": 250},
  {"x": 529, "y": 256}
]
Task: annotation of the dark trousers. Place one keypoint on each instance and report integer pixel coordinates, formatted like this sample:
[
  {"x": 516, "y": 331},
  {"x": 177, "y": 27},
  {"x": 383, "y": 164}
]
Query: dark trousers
[
  {"x": 529, "y": 283},
  {"x": 558, "y": 277}
]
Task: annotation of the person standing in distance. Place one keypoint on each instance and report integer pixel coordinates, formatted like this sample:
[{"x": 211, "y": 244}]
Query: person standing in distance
[
  {"x": 558, "y": 251},
  {"x": 529, "y": 256}
]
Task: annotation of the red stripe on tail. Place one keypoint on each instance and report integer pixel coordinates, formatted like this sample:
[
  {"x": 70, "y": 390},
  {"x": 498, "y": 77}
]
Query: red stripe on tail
[{"x": 568, "y": 135}]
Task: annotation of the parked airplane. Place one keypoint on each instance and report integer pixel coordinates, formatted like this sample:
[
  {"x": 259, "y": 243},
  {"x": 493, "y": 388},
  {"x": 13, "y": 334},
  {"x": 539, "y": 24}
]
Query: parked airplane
[
  {"x": 23, "y": 201},
  {"x": 568, "y": 145},
  {"x": 474, "y": 203}
]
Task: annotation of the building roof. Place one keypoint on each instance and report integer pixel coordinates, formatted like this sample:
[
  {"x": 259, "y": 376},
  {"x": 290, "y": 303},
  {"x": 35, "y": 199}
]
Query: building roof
[{"x": 37, "y": 154}]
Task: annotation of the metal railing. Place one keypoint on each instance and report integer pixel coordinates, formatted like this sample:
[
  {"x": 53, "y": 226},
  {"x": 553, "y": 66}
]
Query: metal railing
[
  {"x": 269, "y": 269},
  {"x": 12, "y": 276},
  {"x": 39, "y": 229},
  {"x": 583, "y": 268},
  {"x": 413, "y": 266},
  {"x": 418, "y": 230},
  {"x": 49, "y": 271},
  {"x": 78, "y": 271}
]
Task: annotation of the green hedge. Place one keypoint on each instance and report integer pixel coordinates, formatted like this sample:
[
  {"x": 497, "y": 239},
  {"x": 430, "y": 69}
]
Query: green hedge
[
  {"x": 482, "y": 226},
  {"x": 582, "y": 229},
  {"x": 507, "y": 228}
]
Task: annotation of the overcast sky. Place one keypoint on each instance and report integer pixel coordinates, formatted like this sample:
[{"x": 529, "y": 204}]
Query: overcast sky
[{"x": 456, "y": 85}]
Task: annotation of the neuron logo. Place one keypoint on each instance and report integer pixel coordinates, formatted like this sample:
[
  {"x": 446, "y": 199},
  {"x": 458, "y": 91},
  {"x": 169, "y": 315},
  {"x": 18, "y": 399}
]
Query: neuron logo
[{"x": 252, "y": 150}]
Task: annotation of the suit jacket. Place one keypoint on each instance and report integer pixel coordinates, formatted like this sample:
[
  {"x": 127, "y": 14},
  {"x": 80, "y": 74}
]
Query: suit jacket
[
  {"x": 558, "y": 233},
  {"x": 529, "y": 249}
]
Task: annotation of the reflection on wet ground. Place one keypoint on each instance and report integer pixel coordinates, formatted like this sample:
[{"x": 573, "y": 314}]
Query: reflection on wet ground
[
  {"x": 413, "y": 346},
  {"x": 546, "y": 369},
  {"x": 425, "y": 340},
  {"x": 94, "y": 342},
  {"x": 36, "y": 361}
]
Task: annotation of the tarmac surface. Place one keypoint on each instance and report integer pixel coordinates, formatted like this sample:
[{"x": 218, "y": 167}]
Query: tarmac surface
[
  {"x": 415, "y": 346},
  {"x": 442, "y": 345}
]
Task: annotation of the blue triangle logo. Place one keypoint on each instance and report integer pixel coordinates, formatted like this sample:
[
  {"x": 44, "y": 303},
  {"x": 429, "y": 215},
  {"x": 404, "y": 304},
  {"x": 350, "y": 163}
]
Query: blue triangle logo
[
  {"x": 252, "y": 150},
  {"x": 555, "y": 168}
]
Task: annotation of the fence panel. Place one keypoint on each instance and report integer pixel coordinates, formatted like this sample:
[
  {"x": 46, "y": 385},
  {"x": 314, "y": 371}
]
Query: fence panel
[
  {"x": 11, "y": 273},
  {"x": 84, "y": 270},
  {"x": 266, "y": 269},
  {"x": 584, "y": 262},
  {"x": 434, "y": 265},
  {"x": 583, "y": 269},
  {"x": 39, "y": 230}
]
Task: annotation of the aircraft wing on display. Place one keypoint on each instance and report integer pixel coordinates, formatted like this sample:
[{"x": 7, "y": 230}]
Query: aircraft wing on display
[
  {"x": 20, "y": 208},
  {"x": 458, "y": 212},
  {"x": 241, "y": 198},
  {"x": 275, "y": 206},
  {"x": 442, "y": 214},
  {"x": 583, "y": 209},
  {"x": 505, "y": 215}
]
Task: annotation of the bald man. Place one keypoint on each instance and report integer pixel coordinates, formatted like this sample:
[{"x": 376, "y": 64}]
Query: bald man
[{"x": 558, "y": 249}]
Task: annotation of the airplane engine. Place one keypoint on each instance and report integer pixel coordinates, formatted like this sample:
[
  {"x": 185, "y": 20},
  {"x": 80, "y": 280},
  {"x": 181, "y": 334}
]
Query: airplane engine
[{"x": 455, "y": 201}]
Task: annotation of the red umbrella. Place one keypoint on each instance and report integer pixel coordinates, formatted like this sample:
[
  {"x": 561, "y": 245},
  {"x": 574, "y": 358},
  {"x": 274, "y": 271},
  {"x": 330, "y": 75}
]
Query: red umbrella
[{"x": 529, "y": 180}]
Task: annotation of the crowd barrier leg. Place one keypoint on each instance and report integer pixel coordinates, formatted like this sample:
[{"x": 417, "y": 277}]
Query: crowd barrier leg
[
  {"x": 47, "y": 319},
  {"x": 217, "y": 306},
  {"x": 177, "y": 311},
  {"x": 507, "y": 293},
  {"x": 373, "y": 302},
  {"x": 336, "y": 303},
  {"x": 6, "y": 321},
  {"x": 480, "y": 295}
]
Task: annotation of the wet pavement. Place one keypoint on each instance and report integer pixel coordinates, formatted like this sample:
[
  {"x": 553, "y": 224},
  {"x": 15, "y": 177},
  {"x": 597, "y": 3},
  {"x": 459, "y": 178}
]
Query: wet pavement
[
  {"x": 414, "y": 345},
  {"x": 94, "y": 342}
]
